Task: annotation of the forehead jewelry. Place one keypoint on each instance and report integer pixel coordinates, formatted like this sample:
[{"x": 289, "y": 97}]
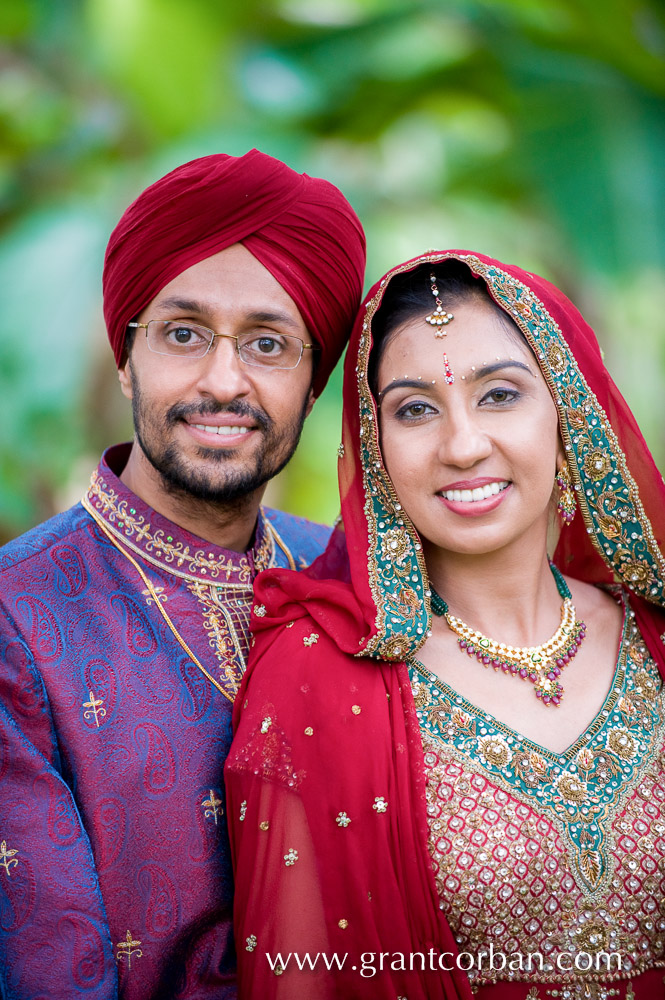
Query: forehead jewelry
[
  {"x": 447, "y": 371},
  {"x": 439, "y": 317},
  {"x": 540, "y": 665}
]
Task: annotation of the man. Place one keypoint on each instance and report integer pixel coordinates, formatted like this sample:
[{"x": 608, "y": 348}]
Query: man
[{"x": 229, "y": 289}]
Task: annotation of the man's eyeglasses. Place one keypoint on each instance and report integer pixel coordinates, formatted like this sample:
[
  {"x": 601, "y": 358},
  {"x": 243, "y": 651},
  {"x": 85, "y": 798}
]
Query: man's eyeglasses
[{"x": 179, "y": 339}]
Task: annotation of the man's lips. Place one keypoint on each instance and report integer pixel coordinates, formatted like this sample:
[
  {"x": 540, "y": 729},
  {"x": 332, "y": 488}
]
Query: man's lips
[{"x": 221, "y": 426}]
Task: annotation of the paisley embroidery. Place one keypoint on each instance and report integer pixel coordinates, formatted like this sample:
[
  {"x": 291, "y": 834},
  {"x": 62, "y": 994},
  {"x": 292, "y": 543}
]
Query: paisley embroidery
[
  {"x": 111, "y": 822},
  {"x": 197, "y": 693},
  {"x": 82, "y": 942},
  {"x": 17, "y": 900},
  {"x": 159, "y": 768},
  {"x": 62, "y": 822},
  {"x": 101, "y": 677},
  {"x": 139, "y": 633},
  {"x": 162, "y": 901},
  {"x": 45, "y": 638},
  {"x": 73, "y": 576}
]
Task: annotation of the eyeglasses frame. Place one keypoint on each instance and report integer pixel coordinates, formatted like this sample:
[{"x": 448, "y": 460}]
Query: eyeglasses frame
[{"x": 225, "y": 336}]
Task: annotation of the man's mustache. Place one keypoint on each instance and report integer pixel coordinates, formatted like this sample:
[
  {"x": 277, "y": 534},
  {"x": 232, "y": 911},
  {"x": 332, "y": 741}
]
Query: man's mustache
[{"x": 209, "y": 408}]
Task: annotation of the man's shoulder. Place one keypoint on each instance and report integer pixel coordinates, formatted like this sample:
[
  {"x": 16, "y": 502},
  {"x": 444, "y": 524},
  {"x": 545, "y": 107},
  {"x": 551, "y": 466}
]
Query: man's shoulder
[
  {"x": 44, "y": 537},
  {"x": 304, "y": 540}
]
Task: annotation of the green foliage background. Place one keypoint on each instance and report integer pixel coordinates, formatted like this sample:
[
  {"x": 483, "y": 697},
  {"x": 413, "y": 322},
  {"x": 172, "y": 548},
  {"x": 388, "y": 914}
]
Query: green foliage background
[{"x": 533, "y": 130}]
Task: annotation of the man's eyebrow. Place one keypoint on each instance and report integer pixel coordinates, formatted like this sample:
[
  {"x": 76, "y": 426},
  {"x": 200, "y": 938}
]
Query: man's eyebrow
[
  {"x": 274, "y": 317},
  {"x": 190, "y": 306},
  {"x": 194, "y": 308}
]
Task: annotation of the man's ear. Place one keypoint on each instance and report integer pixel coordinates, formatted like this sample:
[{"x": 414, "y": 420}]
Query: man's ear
[
  {"x": 125, "y": 379},
  {"x": 311, "y": 399}
]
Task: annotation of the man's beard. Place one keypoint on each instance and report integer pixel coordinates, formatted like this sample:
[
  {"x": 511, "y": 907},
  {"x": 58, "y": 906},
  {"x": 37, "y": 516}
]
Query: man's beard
[{"x": 179, "y": 479}]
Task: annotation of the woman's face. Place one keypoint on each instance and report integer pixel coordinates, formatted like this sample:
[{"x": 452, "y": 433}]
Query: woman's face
[{"x": 472, "y": 462}]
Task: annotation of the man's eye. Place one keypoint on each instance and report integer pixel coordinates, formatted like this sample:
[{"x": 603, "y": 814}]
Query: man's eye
[
  {"x": 266, "y": 345},
  {"x": 182, "y": 335}
]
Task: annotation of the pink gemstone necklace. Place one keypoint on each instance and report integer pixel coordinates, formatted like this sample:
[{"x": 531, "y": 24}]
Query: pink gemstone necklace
[{"x": 541, "y": 665}]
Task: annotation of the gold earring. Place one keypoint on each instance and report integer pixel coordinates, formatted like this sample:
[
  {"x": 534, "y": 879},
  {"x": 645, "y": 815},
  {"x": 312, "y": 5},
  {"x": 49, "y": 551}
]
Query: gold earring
[{"x": 567, "y": 504}]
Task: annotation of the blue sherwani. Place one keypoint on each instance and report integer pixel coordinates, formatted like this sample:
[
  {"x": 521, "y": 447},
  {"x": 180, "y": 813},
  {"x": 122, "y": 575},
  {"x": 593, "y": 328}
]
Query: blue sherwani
[{"x": 114, "y": 726}]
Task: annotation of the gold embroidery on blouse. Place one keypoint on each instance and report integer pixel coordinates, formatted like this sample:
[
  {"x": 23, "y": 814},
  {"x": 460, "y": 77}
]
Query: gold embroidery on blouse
[{"x": 512, "y": 870}]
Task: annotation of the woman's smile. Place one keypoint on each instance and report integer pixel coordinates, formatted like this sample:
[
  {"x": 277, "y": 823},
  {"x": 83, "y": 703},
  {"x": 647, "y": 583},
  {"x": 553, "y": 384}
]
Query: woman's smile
[
  {"x": 472, "y": 460},
  {"x": 475, "y": 497}
]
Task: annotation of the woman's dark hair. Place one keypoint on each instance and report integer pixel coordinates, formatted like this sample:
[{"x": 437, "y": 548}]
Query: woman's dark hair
[{"x": 409, "y": 296}]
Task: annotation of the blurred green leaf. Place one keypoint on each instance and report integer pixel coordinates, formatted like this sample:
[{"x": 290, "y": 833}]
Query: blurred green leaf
[{"x": 533, "y": 130}]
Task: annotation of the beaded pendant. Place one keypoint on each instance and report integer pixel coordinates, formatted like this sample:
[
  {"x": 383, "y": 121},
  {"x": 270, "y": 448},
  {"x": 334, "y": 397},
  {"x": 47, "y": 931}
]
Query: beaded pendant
[{"x": 541, "y": 665}]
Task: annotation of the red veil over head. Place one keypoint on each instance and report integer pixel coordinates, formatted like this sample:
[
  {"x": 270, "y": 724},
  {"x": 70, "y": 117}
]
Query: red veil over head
[
  {"x": 301, "y": 228},
  {"x": 327, "y": 762}
]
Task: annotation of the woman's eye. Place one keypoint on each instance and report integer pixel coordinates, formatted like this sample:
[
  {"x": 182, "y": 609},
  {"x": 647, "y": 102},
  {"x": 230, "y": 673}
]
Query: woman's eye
[
  {"x": 414, "y": 410},
  {"x": 500, "y": 396}
]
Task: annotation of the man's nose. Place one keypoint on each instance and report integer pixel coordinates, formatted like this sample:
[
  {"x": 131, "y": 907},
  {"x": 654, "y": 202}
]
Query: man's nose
[{"x": 221, "y": 373}]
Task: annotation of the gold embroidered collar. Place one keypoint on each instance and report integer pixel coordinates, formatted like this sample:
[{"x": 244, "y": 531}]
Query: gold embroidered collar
[{"x": 159, "y": 541}]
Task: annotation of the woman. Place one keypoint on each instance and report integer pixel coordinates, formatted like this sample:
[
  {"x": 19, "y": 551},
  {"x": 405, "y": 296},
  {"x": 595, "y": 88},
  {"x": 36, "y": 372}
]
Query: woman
[{"x": 448, "y": 773}]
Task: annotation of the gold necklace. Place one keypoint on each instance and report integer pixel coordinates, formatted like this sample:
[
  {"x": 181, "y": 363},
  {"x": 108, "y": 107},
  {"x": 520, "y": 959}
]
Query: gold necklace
[{"x": 541, "y": 665}]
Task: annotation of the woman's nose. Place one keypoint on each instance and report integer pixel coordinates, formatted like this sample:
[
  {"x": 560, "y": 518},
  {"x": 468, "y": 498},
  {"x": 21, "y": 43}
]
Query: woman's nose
[{"x": 463, "y": 442}]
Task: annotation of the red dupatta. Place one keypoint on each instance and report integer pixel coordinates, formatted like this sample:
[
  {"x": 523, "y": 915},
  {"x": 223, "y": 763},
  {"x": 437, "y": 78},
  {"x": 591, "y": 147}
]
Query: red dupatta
[{"x": 325, "y": 778}]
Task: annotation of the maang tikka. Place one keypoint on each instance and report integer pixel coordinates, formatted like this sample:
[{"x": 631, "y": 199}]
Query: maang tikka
[
  {"x": 567, "y": 504},
  {"x": 439, "y": 317}
]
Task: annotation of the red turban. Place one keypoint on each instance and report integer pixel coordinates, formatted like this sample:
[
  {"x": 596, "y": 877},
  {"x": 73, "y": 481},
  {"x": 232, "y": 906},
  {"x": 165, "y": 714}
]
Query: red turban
[{"x": 302, "y": 229}]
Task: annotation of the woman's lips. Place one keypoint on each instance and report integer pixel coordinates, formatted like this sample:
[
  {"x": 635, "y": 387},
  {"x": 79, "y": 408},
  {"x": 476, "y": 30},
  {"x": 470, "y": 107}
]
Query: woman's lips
[{"x": 475, "y": 500}]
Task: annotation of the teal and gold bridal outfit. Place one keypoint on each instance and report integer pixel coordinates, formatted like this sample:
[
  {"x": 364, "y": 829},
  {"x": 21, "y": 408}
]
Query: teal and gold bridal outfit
[
  {"x": 545, "y": 854},
  {"x": 414, "y": 822}
]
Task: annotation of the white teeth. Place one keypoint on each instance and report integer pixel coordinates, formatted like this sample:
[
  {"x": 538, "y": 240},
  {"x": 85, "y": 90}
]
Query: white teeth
[
  {"x": 480, "y": 493},
  {"x": 221, "y": 430}
]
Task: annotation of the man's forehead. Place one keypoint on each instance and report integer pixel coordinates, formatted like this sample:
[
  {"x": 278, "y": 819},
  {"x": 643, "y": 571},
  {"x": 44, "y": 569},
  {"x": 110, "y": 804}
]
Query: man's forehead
[{"x": 179, "y": 306}]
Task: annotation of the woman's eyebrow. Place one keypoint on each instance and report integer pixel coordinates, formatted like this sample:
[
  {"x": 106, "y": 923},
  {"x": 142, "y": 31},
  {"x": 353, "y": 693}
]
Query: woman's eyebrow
[
  {"x": 476, "y": 373},
  {"x": 404, "y": 383},
  {"x": 485, "y": 370}
]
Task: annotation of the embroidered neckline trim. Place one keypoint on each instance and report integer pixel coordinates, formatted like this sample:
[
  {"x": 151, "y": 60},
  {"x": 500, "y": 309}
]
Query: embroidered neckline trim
[{"x": 135, "y": 532}]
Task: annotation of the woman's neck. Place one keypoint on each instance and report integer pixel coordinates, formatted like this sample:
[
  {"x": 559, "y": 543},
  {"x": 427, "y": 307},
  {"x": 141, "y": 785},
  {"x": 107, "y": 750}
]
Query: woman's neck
[{"x": 509, "y": 595}]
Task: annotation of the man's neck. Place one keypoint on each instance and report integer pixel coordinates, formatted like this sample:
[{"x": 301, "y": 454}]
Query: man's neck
[{"x": 229, "y": 526}]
